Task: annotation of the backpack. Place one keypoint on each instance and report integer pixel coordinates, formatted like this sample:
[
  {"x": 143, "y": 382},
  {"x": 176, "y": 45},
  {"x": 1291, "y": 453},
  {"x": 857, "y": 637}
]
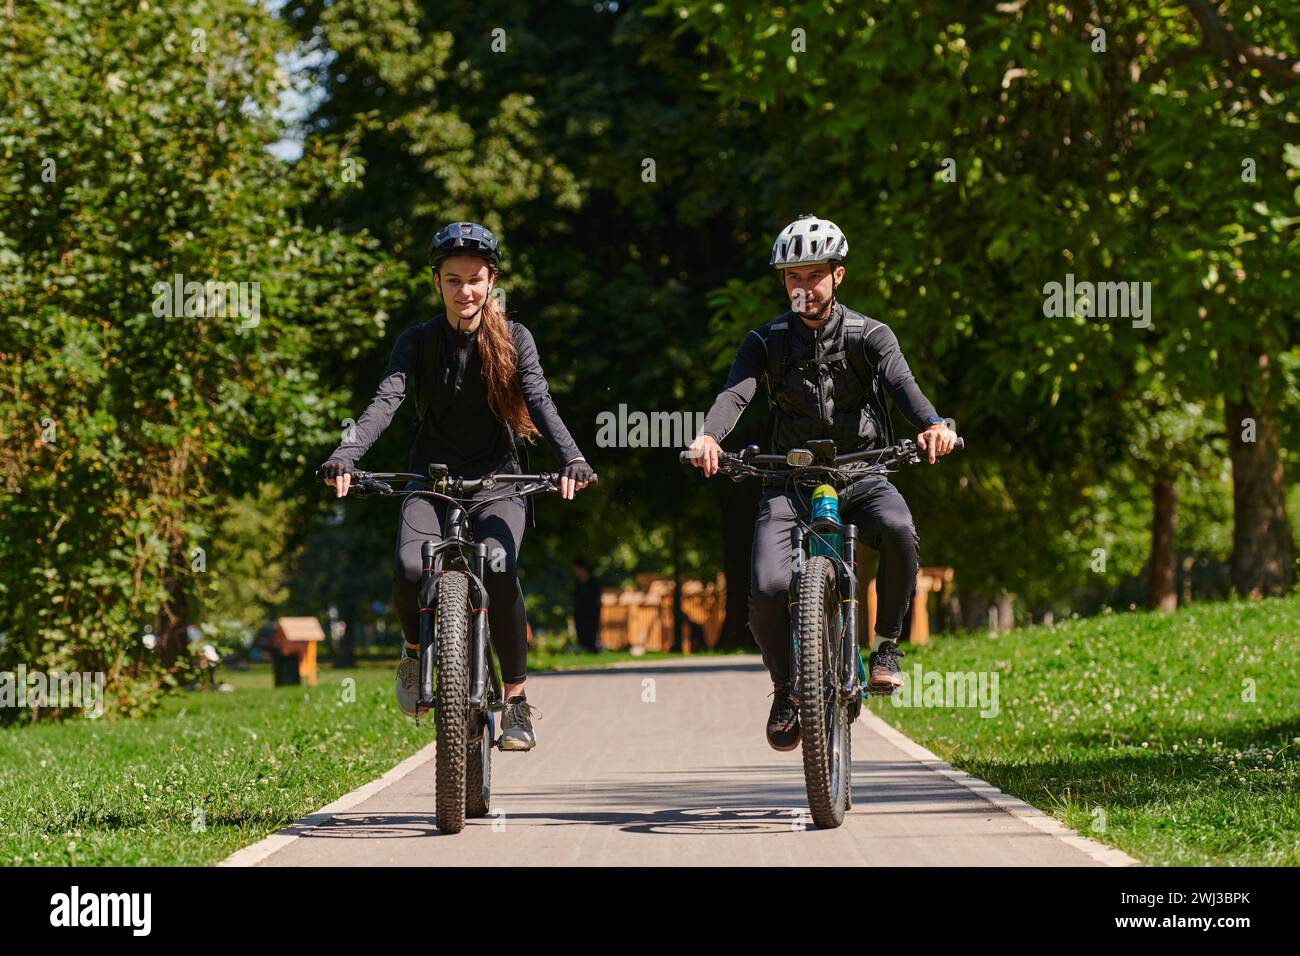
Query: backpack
[
  {"x": 854, "y": 348},
  {"x": 428, "y": 350}
]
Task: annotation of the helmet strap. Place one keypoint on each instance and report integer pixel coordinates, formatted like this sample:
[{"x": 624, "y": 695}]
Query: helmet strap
[{"x": 826, "y": 309}]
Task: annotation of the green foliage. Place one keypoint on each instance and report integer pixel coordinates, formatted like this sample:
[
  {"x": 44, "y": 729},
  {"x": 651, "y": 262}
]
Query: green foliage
[
  {"x": 973, "y": 157},
  {"x": 159, "y": 141}
]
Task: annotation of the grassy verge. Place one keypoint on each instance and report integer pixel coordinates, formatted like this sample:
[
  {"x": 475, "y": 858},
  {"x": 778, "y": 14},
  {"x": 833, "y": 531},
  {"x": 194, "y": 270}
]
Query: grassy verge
[
  {"x": 1171, "y": 737},
  {"x": 210, "y": 772}
]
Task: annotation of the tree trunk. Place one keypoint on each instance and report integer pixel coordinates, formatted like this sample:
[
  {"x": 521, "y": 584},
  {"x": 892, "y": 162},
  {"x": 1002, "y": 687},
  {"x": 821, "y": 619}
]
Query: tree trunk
[
  {"x": 1160, "y": 583},
  {"x": 974, "y": 610},
  {"x": 950, "y": 611},
  {"x": 345, "y": 646},
  {"x": 172, "y": 630},
  {"x": 1189, "y": 562},
  {"x": 1261, "y": 534},
  {"x": 1006, "y": 604}
]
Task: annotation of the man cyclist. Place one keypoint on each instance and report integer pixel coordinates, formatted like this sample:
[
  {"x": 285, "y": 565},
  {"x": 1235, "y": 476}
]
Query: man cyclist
[{"x": 828, "y": 371}]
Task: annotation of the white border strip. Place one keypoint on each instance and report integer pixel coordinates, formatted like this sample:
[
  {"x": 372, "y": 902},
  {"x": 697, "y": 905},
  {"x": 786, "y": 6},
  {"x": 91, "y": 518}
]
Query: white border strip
[
  {"x": 1031, "y": 815},
  {"x": 257, "y": 852}
]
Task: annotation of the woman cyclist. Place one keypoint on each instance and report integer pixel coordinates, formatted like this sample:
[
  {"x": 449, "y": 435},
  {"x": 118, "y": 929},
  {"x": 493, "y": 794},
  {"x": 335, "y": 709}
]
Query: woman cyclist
[{"x": 477, "y": 378}]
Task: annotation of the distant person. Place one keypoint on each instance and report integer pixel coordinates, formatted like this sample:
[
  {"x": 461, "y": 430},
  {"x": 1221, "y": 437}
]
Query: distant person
[{"x": 586, "y": 606}]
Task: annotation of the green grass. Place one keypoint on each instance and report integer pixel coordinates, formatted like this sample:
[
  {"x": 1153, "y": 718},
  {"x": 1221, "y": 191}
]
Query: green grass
[
  {"x": 1135, "y": 729},
  {"x": 1138, "y": 730},
  {"x": 210, "y": 772}
]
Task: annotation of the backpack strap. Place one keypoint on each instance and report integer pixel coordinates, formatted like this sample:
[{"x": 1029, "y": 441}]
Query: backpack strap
[
  {"x": 427, "y": 351},
  {"x": 778, "y": 359},
  {"x": 855, "y": 335},
  {"x": 866, "y": 371},
  {"x": 853, "y": 349}
]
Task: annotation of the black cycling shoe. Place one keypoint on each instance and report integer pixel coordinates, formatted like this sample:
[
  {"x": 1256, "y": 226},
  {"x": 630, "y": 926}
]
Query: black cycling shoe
[
  {"x": 885, "y": 677},
  {"x": 783, "y": 721}
]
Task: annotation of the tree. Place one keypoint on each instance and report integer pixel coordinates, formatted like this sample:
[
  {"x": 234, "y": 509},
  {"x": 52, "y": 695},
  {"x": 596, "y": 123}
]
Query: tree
[
  {"x": 167, "y": 312},
  {"x": 1002, "y": 152}
]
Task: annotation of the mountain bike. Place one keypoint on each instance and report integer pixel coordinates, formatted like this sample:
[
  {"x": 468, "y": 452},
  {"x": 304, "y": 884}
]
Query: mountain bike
[
  {"x": 459, "y": 679},
  {"x": 828, "y": 679}
]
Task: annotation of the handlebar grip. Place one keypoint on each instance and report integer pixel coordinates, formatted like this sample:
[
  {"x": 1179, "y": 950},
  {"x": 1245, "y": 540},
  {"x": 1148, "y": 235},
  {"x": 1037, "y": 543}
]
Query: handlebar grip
[
  {"x": 961, "y": 443},
  {"x": 686, "y": 457}
]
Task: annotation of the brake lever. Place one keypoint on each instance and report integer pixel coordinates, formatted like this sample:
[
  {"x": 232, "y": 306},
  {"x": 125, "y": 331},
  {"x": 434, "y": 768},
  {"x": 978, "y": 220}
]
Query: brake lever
[
  {"x": 736, "y": 468},
  {"x": 365, "y": 487}
]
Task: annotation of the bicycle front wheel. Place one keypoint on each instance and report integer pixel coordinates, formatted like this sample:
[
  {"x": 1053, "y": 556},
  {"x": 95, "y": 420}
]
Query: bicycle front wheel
[
  {"x": 451, "y": 699},
  {"x": 823, "y": 713}
]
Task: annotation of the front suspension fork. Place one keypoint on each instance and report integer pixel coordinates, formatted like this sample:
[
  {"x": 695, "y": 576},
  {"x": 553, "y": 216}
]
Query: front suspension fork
[
  {"x": 428, "y": 601},
  {"x": 792, "y": 600},
  {"x": 478, "y": 644},
  {"x": 853, "y": 675}
]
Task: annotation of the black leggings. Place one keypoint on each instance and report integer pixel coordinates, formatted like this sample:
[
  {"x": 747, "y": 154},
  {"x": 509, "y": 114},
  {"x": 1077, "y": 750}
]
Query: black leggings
[
  {"x": 884, "y": 523},
  {"x": 499, "y": 525}
]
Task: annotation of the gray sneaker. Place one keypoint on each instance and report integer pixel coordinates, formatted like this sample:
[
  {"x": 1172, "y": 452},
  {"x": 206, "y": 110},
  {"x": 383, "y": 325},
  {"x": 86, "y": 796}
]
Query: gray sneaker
[
  {"x": 408, "y": 682},
  {"x": 517, "y": 725}
]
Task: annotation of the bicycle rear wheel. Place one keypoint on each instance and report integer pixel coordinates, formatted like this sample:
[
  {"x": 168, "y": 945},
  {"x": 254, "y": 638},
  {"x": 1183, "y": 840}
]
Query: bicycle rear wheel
[
  {"x": 823, "y": 714},
  {"x": 451, "y": 699}
]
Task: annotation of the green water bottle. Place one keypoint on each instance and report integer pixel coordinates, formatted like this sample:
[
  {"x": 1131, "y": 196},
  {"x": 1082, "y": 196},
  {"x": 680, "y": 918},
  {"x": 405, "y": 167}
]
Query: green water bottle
[{"x": 826, "y": 504}]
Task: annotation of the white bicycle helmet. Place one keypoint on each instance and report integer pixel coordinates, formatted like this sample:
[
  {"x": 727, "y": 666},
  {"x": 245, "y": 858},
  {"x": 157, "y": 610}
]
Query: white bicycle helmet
[{"x": 809, "y": 241}]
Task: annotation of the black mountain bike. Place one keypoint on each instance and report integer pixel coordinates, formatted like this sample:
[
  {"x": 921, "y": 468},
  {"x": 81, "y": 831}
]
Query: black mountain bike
[
  {"x": 459, "y": 679},
  {"x": 828, "y": 680}
]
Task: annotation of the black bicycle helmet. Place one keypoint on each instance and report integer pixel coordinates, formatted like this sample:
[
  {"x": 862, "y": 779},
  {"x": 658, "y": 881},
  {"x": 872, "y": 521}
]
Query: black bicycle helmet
[{"x": 464, "y": 239}]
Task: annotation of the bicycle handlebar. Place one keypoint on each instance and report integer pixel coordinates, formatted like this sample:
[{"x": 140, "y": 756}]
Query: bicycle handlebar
[
  {"x": 377, "y": 481},
  {"x": 902, "y": 451}
]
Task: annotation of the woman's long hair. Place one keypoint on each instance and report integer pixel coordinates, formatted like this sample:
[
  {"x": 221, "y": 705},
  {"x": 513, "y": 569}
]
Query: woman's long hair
[{"x": 500, "y": 361}]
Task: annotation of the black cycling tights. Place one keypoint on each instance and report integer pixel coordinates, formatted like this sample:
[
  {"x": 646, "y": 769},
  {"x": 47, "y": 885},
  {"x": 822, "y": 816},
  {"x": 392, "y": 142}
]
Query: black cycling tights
[{"x": 499, "y": 525}]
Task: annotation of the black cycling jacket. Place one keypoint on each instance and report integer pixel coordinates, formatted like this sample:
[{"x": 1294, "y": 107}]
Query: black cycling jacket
[
  {"x": 821, "y": 397},
  {"x": 458, "y": 429}
]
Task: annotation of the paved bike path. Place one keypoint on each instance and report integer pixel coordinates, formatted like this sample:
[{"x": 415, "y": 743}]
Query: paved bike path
[{"x": 665, "y": 763}]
